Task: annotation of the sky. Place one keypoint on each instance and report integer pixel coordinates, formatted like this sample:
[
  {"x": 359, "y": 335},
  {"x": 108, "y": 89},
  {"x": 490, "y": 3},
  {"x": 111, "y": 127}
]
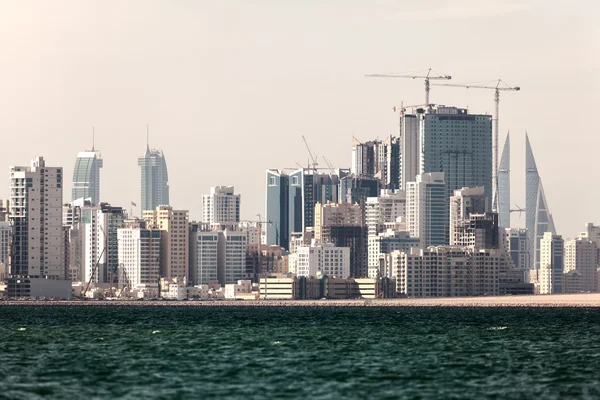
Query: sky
[{"x": 229, "y": 87}]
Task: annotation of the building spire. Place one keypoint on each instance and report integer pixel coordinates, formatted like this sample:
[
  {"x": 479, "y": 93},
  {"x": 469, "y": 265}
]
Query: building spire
[
  {"x": 93, "y": 139},
  {"x": 147, "y": 138}
]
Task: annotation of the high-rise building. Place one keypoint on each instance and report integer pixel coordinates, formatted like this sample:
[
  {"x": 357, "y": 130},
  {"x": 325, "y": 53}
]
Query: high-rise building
[
  {"x": 378, "y": 159},
  {"x": 518, "y": 247},
  {"x": 154, "y": 179},
  {"x": 5, "y": 239},
  {"x": 86, "y": 176},
  {"x": 221, "y": 207},
  {"x": 389, "y": 207},
  {"x": 537, "y": 215},
  {"x": 480, "y": 231},
  {"x": 427, "y": 209},
  {"x": 382, "y": 245},
  {"x": 291, "y": 199},
  {"x": 100, "y": 242},
  {"x": 221, "y": 257},
  {"x": 504, "y": 185},
  {"x": 551, "y": 263},
  {"x": 139, "y": 256},
  {"x": 323, "y": 259},
  {"x": 410, "y": 149},
  {"x": 465, "y": 202},
  {"x": 582, "y": 255},
  {"x": 356, "y": 190},
  {"x": 174, "y": 225},
  {"x": 36, "y": 217},
  {"x": 458, "y": 144}
]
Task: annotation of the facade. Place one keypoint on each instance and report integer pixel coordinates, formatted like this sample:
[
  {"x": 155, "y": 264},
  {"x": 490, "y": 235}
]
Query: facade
[
  {"x": 389, "y": 207},
  {"x": 99, "y": 226},
  {"x": 86, "y": 176},
  {"x": 378, "y": 159},
  {"x": 427, "y": 209},
  {"x": 447, "y": 271},
  {"x": 291, "y": 200},
  {"x": 139, "y": 257},
  {"x": 174, "y": 225},
  {"x": 410, "y": 149},
  {"x": 458, "y": 144},
  {"x": 4, "y": 210},
  {"x": 221, "y": 207},
  {"x": 323, "y": 259},
  {"x": 36, "y": 218},
  {"x": 220, "y": 257},
  {"x": 480, "y": 231},
  {"x": 261, "y": 259},
  {"x": 5, "y": 241},
  {"x": 154, "y": 179},
  {"x": 504, "y": 185},
  {"x": 382, "y": 245},
  {"x": 518, "y": 247},
  {"x": 356, "y": 189},
  {"x": 581, "y": 255},
  {"x": 465, "y": 202},
  {"x": 551, "y": 264},
  {"x": 336, "y": 214}
]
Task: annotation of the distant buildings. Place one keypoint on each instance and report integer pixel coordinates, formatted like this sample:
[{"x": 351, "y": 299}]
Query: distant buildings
[
  {"x": 86, "y": 176},
  {"x": 139, "y": 250},
  {"x": 504, "y": 186},
  {"x": 377, "y": 159},
  {"x": 154, "y": 179},
  {"x": 220, "y": 257}
]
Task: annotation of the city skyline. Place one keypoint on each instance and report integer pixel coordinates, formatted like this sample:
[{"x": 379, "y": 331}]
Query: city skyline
[{"x": 274, "y": 95}]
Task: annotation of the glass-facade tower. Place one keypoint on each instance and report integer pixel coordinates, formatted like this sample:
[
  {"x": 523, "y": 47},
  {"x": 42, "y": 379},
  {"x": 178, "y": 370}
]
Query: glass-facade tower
[
  {"x": 86, "y": 176},
  {"x": 154, "y": 180}
]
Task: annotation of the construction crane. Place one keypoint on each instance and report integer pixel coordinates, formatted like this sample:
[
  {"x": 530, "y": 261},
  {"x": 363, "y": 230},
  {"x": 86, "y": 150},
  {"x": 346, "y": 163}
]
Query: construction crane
[
  {"x": 427, "y": 77},
  {"x": 310, "y": 153},
  {"x": 402, "y": 108},
  {"x": 329, "y": 165},
  {"x": 496, "y": 88}
]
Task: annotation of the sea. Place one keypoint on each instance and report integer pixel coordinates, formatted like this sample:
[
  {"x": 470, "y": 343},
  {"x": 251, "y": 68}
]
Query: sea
[{"x": 124, "y": 352}]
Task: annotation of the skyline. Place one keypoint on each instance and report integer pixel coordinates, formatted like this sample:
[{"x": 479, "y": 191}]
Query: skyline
[{"x": 254, "y": 88}]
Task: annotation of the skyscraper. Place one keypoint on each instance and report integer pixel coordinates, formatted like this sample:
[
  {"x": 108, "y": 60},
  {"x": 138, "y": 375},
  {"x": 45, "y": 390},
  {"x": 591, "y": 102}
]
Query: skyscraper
[
  {"x": 465, "y": 202},
  {"x": 86, "y": 176},
  {"x": 36, "y": 216},
  {"x": 458, "y": 144},
  {"x": 504, "y": 185},
  {"x": 378, "y": 159},
  {"x": 410, "y": 149},
  {"x": 551, "y": 263},
  {"x": 154, "y": 179},
  {"x": 537, "y": 215},
  {"x": 427, "y": 210}
]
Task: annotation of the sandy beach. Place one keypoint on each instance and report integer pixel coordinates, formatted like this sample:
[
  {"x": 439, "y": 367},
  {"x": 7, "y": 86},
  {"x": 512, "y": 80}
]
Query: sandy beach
[{"x": 558, "y": 300}]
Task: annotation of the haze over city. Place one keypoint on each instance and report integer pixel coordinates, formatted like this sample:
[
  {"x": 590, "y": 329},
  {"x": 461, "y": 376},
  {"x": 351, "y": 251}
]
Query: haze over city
[{"x": 229, "y": 88}]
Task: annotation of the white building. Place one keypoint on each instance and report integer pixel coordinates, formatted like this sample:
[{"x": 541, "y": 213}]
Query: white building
[
  {"x": 447, "y": 271},
  {"x": 221, "y": 207},
  {"x": 220, "y": 256},
  {"x": 383, "y": 244},
  {"x": 465, "y": 202},
  {"x": 36, "y": 216},
  {"x": 389, "y": 207},
  {"x": 551, "y": 263},
  {"x": 426, "y": 209},
  {"x": 323, "y": 259},
  {"x": 139, "y": 257}
]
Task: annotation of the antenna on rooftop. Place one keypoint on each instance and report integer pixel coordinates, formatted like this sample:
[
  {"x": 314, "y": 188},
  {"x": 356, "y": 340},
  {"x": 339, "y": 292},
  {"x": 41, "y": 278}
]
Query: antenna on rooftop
[
  {"x": 148, "y": 137},
  {"x": 93, "y": 138}
]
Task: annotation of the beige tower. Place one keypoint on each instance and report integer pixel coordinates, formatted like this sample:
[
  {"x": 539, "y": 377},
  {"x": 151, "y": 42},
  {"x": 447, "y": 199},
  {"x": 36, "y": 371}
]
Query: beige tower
[{"x": 174, "y": 239}]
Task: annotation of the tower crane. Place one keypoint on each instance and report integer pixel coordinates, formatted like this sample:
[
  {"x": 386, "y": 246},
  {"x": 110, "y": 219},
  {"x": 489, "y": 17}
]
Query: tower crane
[
  {"x": 329, "y": 165},
  {"x": 496, "y": 88},
  {"x": 427, "y": 77},
  {"x": 310, "y": 153}
]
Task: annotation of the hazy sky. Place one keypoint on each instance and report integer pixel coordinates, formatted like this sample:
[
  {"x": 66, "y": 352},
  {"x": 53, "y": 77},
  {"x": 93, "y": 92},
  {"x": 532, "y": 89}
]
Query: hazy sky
[{"x": 229, "y": 87}]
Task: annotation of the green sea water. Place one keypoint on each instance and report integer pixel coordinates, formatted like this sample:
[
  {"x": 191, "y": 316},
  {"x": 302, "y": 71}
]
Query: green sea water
[{"x": 312, "y": 353}]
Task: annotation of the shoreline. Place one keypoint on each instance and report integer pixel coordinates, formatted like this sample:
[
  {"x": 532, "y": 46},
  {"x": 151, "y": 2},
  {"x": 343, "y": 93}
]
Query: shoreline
[{"x": 588, "y": 300}]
